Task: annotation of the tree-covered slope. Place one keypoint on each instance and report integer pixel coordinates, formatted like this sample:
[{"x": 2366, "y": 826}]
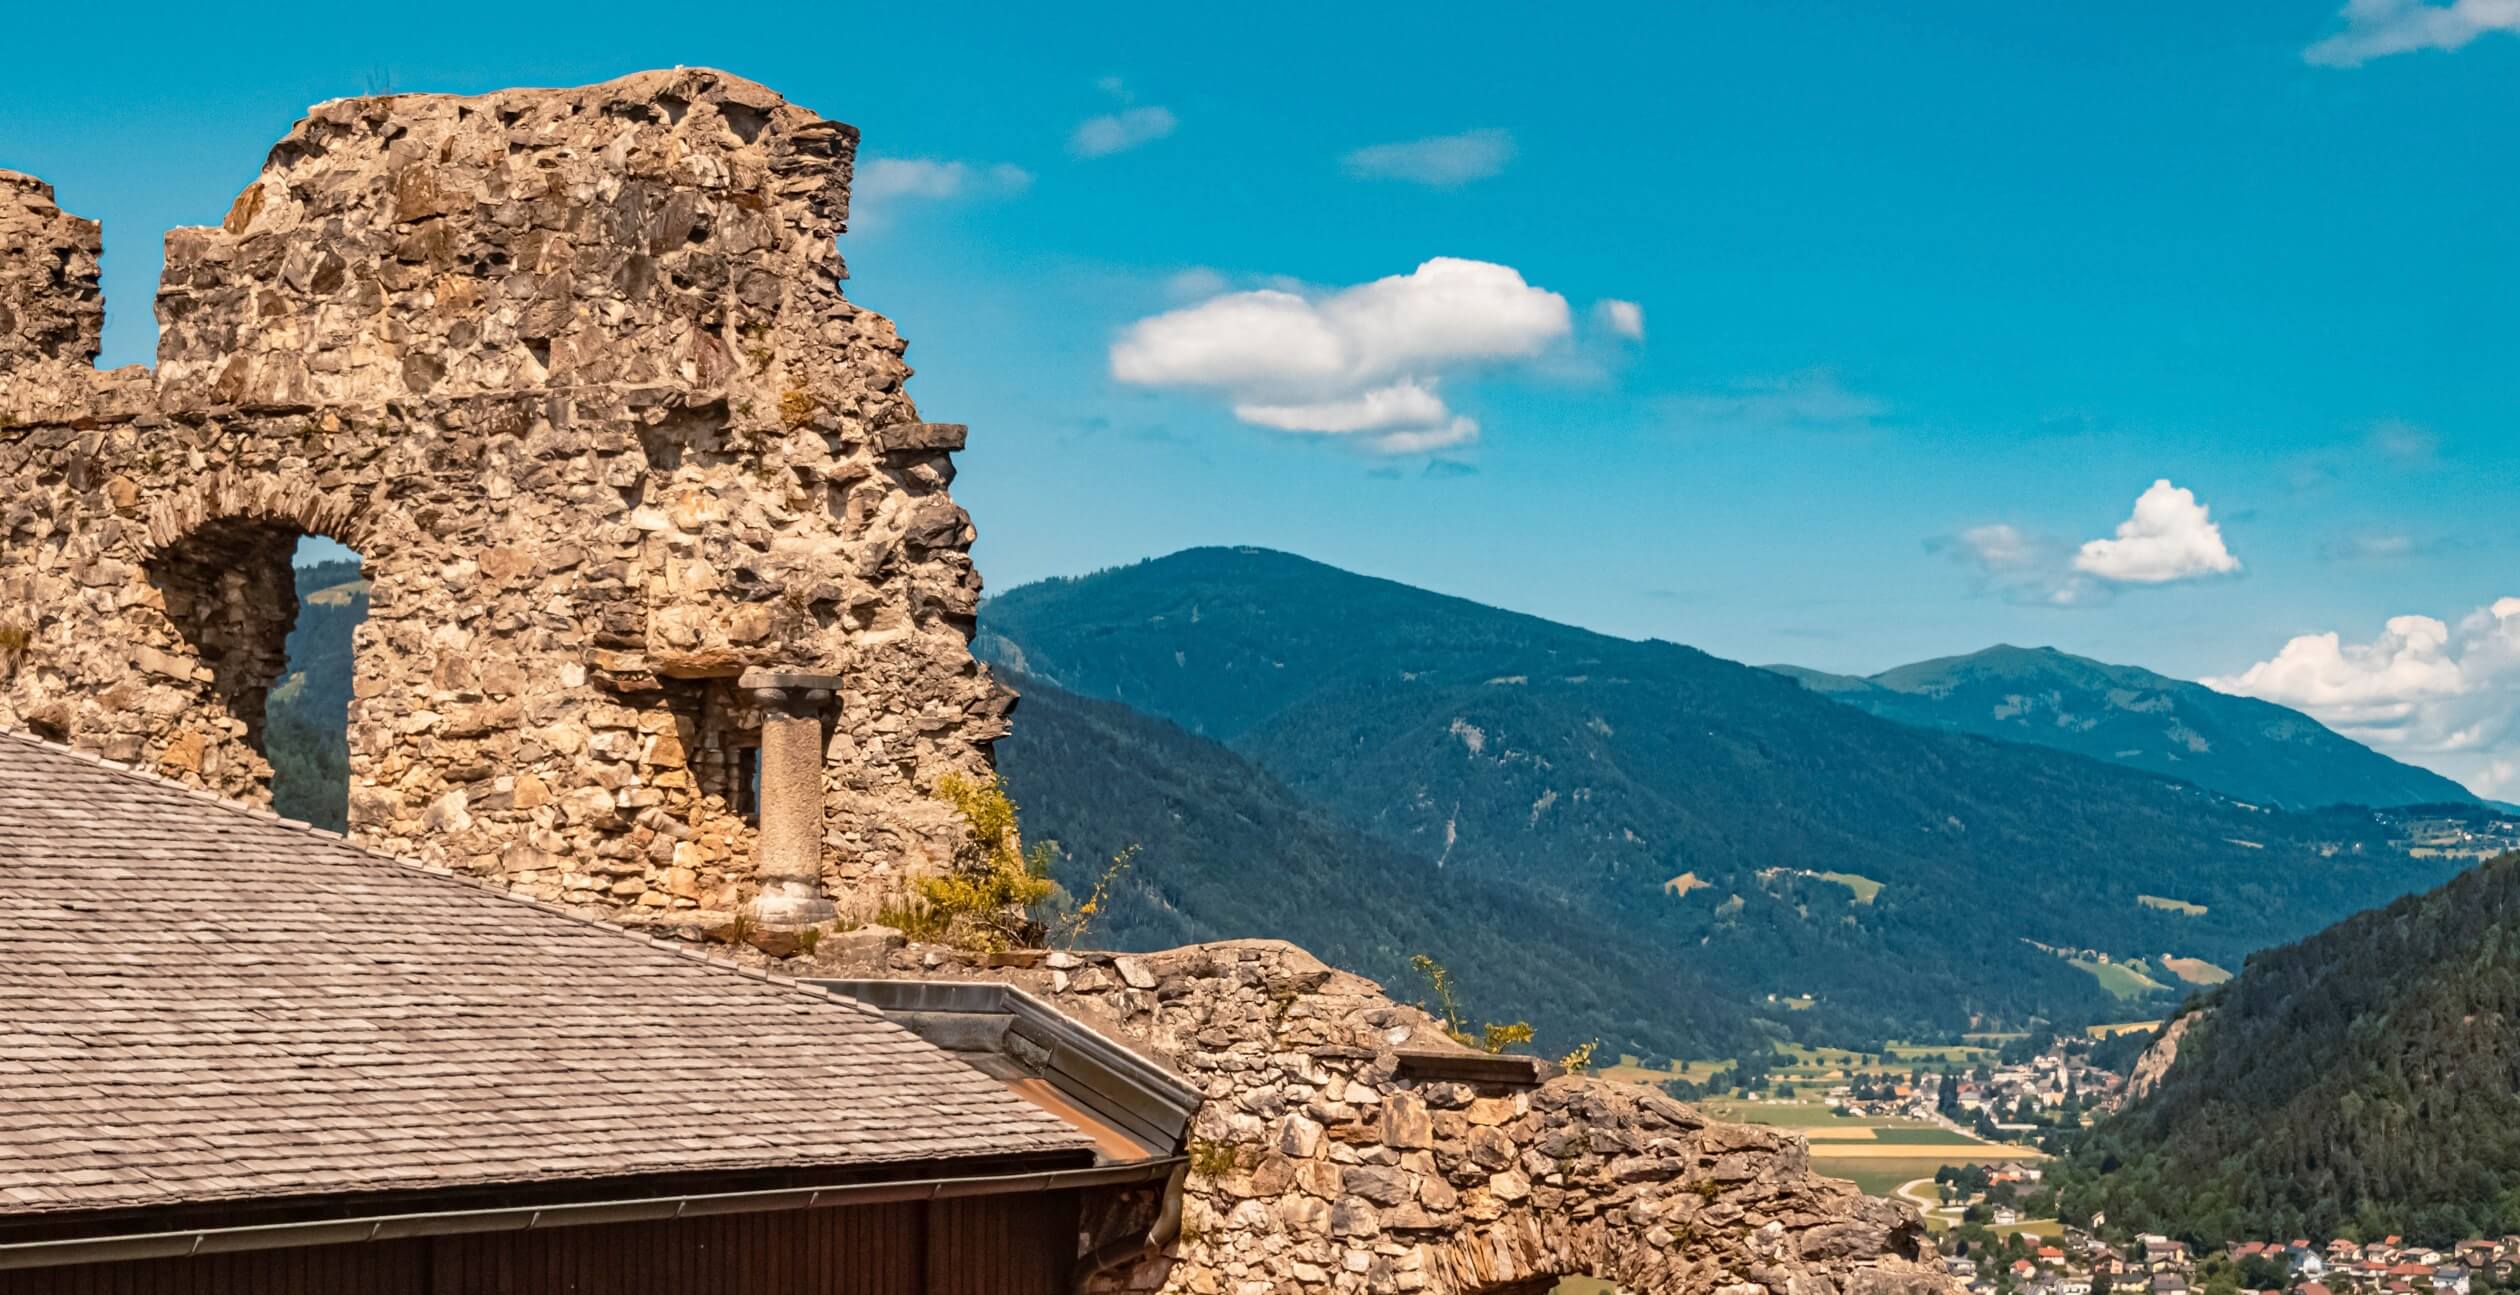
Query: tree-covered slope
[
  {"x": 1675, "y": 801},
  {"x": 2243, "y": 747},
  {"x": 305, "y": 718},
  {"x": 2361, "y": 1082},
  {"x": 1223, "y": 850}
]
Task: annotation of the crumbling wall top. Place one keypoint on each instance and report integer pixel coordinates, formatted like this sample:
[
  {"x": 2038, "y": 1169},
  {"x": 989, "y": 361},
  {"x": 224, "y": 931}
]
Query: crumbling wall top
[
  {"x": 51, "y": 310},
  {"x": 647, "y": 231}
]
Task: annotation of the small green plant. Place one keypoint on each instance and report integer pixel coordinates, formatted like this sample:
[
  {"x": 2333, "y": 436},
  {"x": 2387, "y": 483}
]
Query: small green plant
[
  {"x": 740, "y": 930},
  {"x": 982, "y": 905},
  {"x": 914, "y": 918},
  {"x": 15, "y": 639},
  {"x": 1579, "y": 1061},
  {"x": 1491, "y": 1037},
  {"x": 809, "y": 939},
  {"x": 1068, "y": 929},
  {"x": 797, "y": 406},
  {"x": 1213, "y": 1160}
]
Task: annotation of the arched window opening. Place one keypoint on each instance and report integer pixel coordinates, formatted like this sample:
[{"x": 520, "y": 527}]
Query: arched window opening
[
  {"x": 271, "y": 611},
  {"x": 306, "y": 727}
]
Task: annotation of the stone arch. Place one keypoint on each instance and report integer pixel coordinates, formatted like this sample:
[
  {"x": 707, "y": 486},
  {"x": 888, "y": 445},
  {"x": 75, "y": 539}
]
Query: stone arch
[
  {"x": 218, "y": 554},
  {"x": 276, "y": 500}
]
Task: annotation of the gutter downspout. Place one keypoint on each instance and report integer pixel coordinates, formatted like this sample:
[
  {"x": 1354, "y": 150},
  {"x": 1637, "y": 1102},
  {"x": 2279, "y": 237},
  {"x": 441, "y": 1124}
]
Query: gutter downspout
[
  {"x": 1128, "y": 1250},
  {"x": 528, "y": 1218}
]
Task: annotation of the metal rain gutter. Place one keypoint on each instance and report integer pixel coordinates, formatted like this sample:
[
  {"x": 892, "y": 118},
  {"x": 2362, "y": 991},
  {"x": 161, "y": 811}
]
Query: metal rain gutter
[{"x": 528, "y": 1218}]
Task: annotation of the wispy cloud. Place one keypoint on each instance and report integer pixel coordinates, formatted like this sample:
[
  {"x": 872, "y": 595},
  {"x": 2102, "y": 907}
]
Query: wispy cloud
[
  {"x": 2379, "y": 28},
  {"x": 1443, "y": 161},
  {"x": 1364, "y": 362},
  {"x": 1129, "y": 126},
  {"x": 1622, "y": 318},
  {"x": 884, "y": 185},
  {"x": 1813, "y": 400},
  {"x": 2020, "y": 567},
  {"x": 2405, "y": 443}
]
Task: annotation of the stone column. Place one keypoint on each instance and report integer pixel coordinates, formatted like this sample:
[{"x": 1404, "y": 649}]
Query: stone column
[{"x": 787, "y": 849}]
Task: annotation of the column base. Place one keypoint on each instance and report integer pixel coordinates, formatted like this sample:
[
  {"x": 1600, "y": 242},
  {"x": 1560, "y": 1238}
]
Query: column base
[{"x": 791, "y": 904}]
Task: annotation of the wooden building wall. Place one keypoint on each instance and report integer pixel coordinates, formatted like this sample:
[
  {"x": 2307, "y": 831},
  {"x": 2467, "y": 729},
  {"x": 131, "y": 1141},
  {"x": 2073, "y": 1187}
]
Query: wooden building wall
[{"x": 989, "y": 1245}]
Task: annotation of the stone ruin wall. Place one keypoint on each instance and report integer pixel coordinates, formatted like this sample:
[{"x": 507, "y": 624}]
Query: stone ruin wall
[
  {"x": 1327, "y": 1160},
  {"x": 572, "y": 371}
]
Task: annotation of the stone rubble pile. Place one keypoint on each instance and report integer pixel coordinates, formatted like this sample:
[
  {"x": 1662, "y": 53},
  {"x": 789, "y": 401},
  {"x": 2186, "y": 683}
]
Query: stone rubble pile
[{"x": 1335, "y": 1154}]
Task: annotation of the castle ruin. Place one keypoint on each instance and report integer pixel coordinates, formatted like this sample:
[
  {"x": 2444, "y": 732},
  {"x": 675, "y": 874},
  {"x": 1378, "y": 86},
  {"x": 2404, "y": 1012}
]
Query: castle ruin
[{"x": 572, "y": 371}]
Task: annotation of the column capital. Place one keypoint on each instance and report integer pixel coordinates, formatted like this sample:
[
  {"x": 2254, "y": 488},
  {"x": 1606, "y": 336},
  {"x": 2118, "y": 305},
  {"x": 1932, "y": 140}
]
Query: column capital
[{"x": 792, "y": 691}]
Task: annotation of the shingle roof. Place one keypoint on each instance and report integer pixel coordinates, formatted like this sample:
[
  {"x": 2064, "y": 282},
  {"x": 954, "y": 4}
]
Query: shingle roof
[{"x": 200, "y": 1002}]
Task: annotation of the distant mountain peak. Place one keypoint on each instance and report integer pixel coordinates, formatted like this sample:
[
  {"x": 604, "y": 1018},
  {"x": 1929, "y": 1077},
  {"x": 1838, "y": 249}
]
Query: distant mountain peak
[
  {"x": 2250, "y": 749},
  {"x": 1615, "y": 765}
]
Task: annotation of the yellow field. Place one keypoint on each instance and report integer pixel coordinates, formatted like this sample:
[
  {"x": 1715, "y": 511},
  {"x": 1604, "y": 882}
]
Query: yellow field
[
  {"x": 2122, "y": 1027},
  {"x": 2195, "y": 971},
  {"x": 1985, "y": 1153}
]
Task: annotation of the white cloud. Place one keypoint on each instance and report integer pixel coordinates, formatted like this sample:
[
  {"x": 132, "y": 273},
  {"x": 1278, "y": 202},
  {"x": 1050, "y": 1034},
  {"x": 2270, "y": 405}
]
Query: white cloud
[
  {"x": 1624, "y": 318},
  {"x": 2170, "y": 537},
  {"x": 1444, "y": 161},
  {"x": 1118, "y": 132},
  {"x": 1362, "y": 361},
  {"x": 883, "y": 184},
  {"x": 1403, "y": 404},
  {"x": 2441, "y": 696},
  {"x": 2379, "y": 28}
]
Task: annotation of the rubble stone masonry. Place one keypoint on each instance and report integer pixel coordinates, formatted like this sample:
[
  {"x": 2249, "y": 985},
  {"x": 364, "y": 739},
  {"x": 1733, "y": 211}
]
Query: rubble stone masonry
[
  {"x": 572, "y": 371},
  {"x": 1347, "y": 1144}
]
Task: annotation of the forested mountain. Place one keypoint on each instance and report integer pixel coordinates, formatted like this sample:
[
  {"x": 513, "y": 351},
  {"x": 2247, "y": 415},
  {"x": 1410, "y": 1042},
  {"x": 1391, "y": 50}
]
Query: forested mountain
[
  {"x": 2254, "y": 750},
  {"x": 305, "y": 718},
  {"x": 2361, "y": 1082},
  {"x": 1881, "y": 878},
  {"x": 1223, "y": 850}
]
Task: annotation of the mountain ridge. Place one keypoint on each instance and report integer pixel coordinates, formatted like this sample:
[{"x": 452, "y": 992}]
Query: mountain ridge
[
  {"x": 2241, "y": 746},
  {"x": 1677, "y": 800}
]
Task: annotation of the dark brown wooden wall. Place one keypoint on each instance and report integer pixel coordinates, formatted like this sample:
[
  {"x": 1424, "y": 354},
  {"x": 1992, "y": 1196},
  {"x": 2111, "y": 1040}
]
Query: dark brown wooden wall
[{"x": 990, "y": 1245}]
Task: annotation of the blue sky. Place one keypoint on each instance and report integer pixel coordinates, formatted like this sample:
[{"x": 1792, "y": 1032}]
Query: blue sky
[{"x": 1928, "y": 298}]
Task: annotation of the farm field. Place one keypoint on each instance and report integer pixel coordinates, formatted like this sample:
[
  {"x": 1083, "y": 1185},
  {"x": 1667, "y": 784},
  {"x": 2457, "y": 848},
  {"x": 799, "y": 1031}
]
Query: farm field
[
  {"x": 1877, "y": 1152},
  {"x": 1802, "y": 1065}
]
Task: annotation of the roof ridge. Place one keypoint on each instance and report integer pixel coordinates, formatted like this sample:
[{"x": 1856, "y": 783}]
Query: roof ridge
[{"x": 436, "y": 871}]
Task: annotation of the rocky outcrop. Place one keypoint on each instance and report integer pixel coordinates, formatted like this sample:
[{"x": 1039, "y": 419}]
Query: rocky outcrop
[
  {"x": 1348, "y": 1144},
  {"x": 572, "y": 371},
  {"x": 2160, "y": 1055}
]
